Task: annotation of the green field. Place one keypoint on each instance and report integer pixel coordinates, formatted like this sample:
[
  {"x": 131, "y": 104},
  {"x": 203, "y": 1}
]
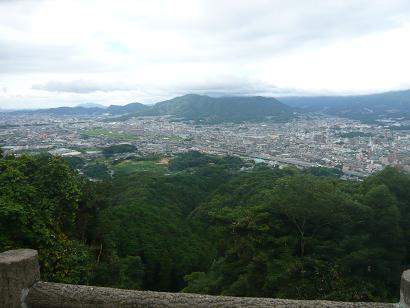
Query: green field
[
  {"x": 105, "y": 133},
  {"x": 131, "y": 166}
]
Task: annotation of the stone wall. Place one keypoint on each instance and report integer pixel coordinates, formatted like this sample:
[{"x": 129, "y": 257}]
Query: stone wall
[{"x": 20, "y": 287}]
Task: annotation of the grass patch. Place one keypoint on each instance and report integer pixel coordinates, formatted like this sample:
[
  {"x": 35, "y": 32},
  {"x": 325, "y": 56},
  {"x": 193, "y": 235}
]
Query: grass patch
[
  {"x": 105, "y": 133},
  {"x": 131, "y": 166}
]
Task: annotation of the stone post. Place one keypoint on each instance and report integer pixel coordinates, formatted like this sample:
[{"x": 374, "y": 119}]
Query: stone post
[
  {"x": 19, "y": 270},
  {"x": 405, "y": 290}
]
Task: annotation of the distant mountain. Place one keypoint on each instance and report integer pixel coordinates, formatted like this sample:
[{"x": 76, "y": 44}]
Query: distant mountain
[
  {"x": 63, "y": 111},
  {"x": 221, "y": 109},
  {"x": 206, "y": 109},
  {"x": 130, "y": 108},
  {"x": 360, "y": 107},
  {"x": 199, "y": 108},
  {"x": 87, "y": 110},
  {"x": 91, "y": 105}
]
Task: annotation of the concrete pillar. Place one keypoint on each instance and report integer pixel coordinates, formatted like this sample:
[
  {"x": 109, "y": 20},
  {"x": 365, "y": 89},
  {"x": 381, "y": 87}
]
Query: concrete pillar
[
  {"x": 19, "y": 270},
  {"x": 405, "y": 290}
]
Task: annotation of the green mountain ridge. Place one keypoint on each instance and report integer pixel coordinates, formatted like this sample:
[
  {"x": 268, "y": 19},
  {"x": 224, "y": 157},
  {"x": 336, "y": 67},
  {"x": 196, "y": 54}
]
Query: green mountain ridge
[
  {"x": 221, "y": 109},
  {"x": 129, "y": 108},
  {"x": 200, "y": 108},
  {"x": 87, "y": 110},
  {"x": 395, "y": 104},
  {"x": 207, "y": 109}
]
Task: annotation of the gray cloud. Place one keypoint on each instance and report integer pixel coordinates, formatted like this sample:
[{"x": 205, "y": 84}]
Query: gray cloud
[
  {"x": 163, "y": 47},
  {"x": 25, "y": 57},
  {"x": 245, "y": 30},
  {"x": 81, "y": 86},
  {"x": 232, "y": 86}
]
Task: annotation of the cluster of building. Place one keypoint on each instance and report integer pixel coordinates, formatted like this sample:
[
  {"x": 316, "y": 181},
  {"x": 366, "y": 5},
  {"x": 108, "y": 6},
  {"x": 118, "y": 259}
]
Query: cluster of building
[{"x": 312, "y": 140}]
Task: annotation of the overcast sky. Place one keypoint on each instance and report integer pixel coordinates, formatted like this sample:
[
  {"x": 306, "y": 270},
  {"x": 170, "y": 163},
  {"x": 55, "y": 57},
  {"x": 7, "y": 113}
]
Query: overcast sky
[{"x": 55, "y": 53}]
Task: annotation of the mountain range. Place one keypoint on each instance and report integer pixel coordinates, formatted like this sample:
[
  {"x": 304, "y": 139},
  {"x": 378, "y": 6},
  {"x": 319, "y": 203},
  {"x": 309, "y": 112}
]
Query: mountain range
[
  {"x": 87, "y": 110},
  {"x": 206, "y": 109},
  {"x": 368, "y": 108},
  {"x": 199, "y": 108}
]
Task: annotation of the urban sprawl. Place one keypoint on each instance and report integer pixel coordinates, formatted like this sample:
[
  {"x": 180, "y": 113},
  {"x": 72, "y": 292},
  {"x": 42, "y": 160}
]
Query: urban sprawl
[{"x": 308, "y": 141}]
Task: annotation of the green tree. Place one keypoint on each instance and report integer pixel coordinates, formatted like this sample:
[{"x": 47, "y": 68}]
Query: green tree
[{"x": 38, "y": 203}]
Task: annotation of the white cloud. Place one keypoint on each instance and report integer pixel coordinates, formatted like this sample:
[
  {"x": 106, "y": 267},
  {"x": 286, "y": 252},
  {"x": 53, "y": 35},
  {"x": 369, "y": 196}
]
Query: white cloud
[
  {"x": 64, "y": 52},
  {"x": 82, "y": 86}
]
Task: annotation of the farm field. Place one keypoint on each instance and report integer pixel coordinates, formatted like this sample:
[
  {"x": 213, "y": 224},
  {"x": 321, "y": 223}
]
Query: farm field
[
  {"x": 105, "y": 133},
  {"x": 131, "y": 166}
]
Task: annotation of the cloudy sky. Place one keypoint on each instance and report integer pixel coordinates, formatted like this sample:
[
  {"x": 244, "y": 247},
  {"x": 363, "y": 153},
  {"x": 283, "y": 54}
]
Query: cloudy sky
[{"x": 58, "y": 52}]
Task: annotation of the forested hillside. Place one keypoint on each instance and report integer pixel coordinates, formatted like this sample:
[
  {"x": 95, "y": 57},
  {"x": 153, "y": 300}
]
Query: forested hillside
[
  {"x": 367, "y": 108},
  {"x": 207, "y": 225},
  {"x": 222, "y": 109},
  {"x": 190, "y": 107}
]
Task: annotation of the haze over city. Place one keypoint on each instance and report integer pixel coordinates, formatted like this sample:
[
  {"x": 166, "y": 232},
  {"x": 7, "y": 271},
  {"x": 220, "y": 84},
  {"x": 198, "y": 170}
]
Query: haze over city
[{"x": 63, "y": 53}]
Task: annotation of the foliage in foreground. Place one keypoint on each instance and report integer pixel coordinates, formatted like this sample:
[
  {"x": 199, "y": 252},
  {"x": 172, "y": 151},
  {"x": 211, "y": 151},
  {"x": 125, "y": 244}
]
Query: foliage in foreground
[
  {"x": 208, "y": 227},
  {"x": 39, "y": 199}
]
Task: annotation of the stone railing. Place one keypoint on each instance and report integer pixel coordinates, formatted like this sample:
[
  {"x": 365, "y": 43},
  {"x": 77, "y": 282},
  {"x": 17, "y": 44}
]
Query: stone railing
[
  {"x": 20, "y": 287},
  {"x": 405, "y": 290}
]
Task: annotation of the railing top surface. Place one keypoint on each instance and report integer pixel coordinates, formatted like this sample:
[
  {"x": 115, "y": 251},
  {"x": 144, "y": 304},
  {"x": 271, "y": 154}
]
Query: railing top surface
[
  {"x": 406, "y": 275},
  {"x": 17, "y": 255},
  {"x": 19, "y": 273},
  {"x": 48, "y": 294}
]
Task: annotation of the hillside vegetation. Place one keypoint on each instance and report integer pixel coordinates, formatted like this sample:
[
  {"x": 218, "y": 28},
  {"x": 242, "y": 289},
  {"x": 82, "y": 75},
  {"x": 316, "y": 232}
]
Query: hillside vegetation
[
  {"x": 366, "y": 108},
  {"x": 212, "y": 110},
  {"x": 222, "y": 109},
  {"x": 209, "y": 226},
  {"x": 200, "y": 108}
]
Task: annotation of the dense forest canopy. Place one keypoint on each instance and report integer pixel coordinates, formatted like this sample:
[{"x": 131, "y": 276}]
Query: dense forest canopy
[
  {"x": 209, "y": 225},
  {"x": 206, "y": 109}
]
